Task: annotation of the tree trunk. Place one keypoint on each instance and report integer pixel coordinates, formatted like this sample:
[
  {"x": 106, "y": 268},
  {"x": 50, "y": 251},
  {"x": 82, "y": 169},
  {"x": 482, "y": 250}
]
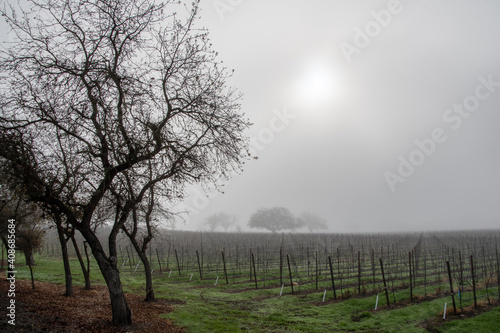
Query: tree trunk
[
  {"x": 150, "y": 294},
  {"x": 85, "y": 271},
  {"x": 122, "y": 315},
  {"x": 67, "y": 268},
  {"x": 28, "y": 254},
  {"x": 31, "y": 274}
]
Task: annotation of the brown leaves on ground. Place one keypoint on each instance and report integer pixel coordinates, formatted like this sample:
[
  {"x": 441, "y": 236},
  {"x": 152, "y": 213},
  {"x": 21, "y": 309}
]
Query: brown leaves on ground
[{"x": 46, "y": 309}]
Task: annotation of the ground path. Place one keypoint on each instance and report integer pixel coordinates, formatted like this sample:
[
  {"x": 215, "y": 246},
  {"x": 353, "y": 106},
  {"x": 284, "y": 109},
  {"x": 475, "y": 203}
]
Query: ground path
[{"x": 46, "y": 309}]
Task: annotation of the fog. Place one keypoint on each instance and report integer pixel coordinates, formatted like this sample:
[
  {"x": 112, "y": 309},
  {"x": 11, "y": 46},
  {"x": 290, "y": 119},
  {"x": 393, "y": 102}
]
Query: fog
[
  {"x": 379, "y": 116},
  {"x": 376, "y": 115}
]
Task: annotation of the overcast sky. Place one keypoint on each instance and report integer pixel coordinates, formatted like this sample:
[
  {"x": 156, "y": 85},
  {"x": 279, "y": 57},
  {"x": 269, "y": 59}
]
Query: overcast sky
[{"x": 376, "y": 115}]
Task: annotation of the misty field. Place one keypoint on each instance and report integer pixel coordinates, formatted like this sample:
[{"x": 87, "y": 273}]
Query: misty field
[{"x": 229, "y": 282}]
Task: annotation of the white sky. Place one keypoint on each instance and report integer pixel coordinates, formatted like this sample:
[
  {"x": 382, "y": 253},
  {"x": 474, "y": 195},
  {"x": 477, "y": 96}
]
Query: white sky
[
  {"x": 354, "y": 119},
  {"x": 346, "y": 122}
]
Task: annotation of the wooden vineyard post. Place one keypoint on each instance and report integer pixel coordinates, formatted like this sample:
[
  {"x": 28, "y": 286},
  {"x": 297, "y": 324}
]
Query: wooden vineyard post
[
  {"x": 498, "y": 272},
  {"x": 411, "y": 284},
  {"x": 182, "y": 260},
  {"x": 254, "y": 271},
  {"x": 331, "y": 274},
  {"x": 250, "y": 264},
  {"x": 199, "y": 264},
  {"x": 414, "y": 267},
  {"x": 168, "y": 254},
  {"x": 383, "y": 279},
  {"x": 373, "y": 265},
  {"x": 473, "y": 280},
  {"x": 359, "y": 273},
  {"x": 281, "y": 264},
  {"x": 425, "y": 275},
  {"x": 339, "y": 274},
  {"x": 316, "y": 270},
  {"x": 178, "y": 265},
  {"x": 159, "y": 261},
  {"x": 461, "y": 282},
  {"x": 485, "y": 274},
  {"x": 308, "y": 262},
  {"x": 290, "y": 272},
  {"x": 225, "y": 271},
  {"x": 451, "y": 288}
]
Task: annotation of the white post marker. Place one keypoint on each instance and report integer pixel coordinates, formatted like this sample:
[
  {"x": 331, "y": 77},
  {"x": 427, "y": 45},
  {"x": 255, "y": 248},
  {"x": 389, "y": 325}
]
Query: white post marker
[
  {"x": 324, "y": 295},
  {"x": 169, "y": 273},
  {"x": 444, "y": 313},
  {"x": 376, "y": 303},
  {"x": 136, "y": 267},
  {"x": 281, "y": 292},
  {"x": 216, "y": 281},
  {"x": 191, "y": 277}
]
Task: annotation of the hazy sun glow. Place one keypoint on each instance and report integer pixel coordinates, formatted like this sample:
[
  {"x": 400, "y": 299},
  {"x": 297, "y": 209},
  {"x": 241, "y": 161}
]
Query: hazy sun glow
[{"x": 316, "y": 85}]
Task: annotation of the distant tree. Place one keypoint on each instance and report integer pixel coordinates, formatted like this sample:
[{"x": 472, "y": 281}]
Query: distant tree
[
  {"x": 29, "y": 225},
  {"x": 312, "y": 221},
  {"x": 273, "y": 219},
  {"x": 220, "y": 220}
]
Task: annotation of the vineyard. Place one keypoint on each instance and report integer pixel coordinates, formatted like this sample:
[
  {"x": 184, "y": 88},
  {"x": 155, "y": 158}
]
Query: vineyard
[
  {"x": 390, "y": 271},
  {"x": 343, "y": 264}
]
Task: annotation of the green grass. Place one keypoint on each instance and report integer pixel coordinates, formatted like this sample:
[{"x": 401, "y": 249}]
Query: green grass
[
  {"x": 202, "y": 307},
  {"x": 485, "y": 323}
]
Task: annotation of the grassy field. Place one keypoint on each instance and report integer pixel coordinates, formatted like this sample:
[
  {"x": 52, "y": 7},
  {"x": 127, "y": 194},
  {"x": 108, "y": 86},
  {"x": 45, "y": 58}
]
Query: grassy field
[{"x": 200, "y": 306}]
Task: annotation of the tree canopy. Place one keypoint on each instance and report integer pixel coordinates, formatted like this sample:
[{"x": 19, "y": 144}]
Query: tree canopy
[
  {"x": 273, "y": 219},
  {"x": 28, "y": 221},
  {"x": 93, "y": 90},
  {"x": 312, "y": 221},
  {"x": 220, "y": 219}
]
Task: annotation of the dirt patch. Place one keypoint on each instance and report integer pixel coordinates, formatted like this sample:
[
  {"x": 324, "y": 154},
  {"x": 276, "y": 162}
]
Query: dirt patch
[
  {"x": 46, "y": 309},
  {"x": 432, "y": 325}
]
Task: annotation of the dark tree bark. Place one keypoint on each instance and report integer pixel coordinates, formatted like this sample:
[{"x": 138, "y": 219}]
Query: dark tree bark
[
  {"x": 30, "y": 259},
  {"x": 64, "y": 250},
  {"x": 150, "y": 294},
  {"x": 108, "y": 267},
  {"x": 132, "y": 230},
  {"x": 85, "y": 270}
]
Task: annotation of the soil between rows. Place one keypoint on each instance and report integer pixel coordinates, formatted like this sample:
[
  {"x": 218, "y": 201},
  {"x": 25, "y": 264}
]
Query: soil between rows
[{"x": 46, "y": 309}]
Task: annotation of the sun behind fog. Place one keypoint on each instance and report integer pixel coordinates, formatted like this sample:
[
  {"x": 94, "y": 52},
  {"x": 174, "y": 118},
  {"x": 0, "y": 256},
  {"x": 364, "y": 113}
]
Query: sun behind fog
[{"x": 316, "y": 85}]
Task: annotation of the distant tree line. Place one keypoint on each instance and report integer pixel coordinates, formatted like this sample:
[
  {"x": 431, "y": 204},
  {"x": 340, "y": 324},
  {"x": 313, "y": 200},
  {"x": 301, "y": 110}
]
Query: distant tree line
[
  {"x": 274, "y": 219},
  {"x": 280, "y": 219}
]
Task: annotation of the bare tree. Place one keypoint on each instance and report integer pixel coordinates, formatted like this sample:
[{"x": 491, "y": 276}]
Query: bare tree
[
  {"x": 220, "y": 220},
  {"x": 29, "y": 217},
  {"x": 91, "y": 90},
  {"x": 28, "y": 220},
  {"x": 28, "y": 223},
  {"x": 273, "y": 219},
  {"x": 312, "y": 221}
]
